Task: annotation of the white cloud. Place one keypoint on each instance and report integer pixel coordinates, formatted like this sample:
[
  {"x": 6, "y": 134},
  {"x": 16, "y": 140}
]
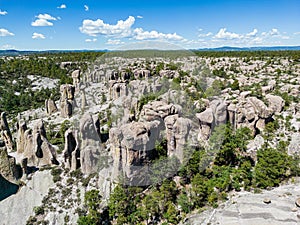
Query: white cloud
[
  {"x": 3, "y": 13},
  {"x": 140, "y": 34},
  {"x": 91, "y": 40},
  {"x": 205, "y": 35},
  {"x": 274, "y": 32},
  {"x": 86, "y": 8},
  {"x": 252, "y": 33},
  {"x": 4, "y": 33},
  {"x": 37, "y": 36},
  {"x": 43, "y": 20},
  {"x": 98, "y": 27},
  {"x": 62, "y": 6},
  {"x": 139, "y": 17},
  {"x": 297, "y": 33},
  {"x": 114, "y": 42},
  {"x": 223, "y": 34}
]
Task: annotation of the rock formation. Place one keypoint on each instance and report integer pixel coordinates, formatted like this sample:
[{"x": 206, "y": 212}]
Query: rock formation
[
  {"x": 67, "y": 100},
  {"x": 71, "y": 151},
  {"x": 117, "y": 89},
  {"x": 8, "y": 168},
  {"x": 133, "y": 146},
  {"x": 50, "y": 106},
  {"x": 216, "y": 114},
  {"x": 76, "y": 78},
  {"x": 90, "y": 145},
  {"x": 5, "y": 133},
  {"x": 33, "y": 145}
]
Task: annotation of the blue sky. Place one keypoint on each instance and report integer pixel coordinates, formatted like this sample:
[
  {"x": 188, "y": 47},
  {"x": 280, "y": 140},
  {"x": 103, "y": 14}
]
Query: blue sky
[{"x": 75, "y": 24}]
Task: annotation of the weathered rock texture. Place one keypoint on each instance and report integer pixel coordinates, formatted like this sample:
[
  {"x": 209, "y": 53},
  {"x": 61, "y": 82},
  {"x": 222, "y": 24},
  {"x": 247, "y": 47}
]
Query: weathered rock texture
[
  {"x": 67, "y": 100},
  {"x": 249, "y": 209},
  {"x": 71, "y": 151},
  {"x": 17, "y": 208},
  {"x": 33, "y": 145},
  {"x": 133, "y": 146},
  {"x": 76, "y": 77},
  {"x": 90, "y": 146},
  {"x": 50, "y": 106},
  {"x": 8, "y": 168},
  {"x": 5, "y": 133}
]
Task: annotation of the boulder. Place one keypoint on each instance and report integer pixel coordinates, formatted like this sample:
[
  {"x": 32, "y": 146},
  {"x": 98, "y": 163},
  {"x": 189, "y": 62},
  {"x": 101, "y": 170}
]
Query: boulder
[
  {"x": 297, "y": 202},
  {"x": 158, "y": 110},
  {"x": 276, "y": 103},
  {"x": 260, "y": 108},
  {"x": 267, "y": 200}
]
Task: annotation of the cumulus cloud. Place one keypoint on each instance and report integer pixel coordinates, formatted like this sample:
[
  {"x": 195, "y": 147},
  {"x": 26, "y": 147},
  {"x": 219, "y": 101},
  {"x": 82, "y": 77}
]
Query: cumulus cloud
[
  {"x": 205, "y": 35},
  {"x": 114, "y": 42},
  {"x": 223, "y": 34},
  {"x": 62, "y": 6},
  {"x": 37, "y": 36},
  {"x": 4, "y": 33},
  {"x": 98, "y": 27},
  {"x": 43, "y": 20},
  {"x": 274, "y": 32},
  {"x": 91, "y": 40},
  {"x": 140, "y": 34},
  {"x": 252, "y": 33},
  {"x": 123, "y": 29},
  {"x": 3, "y": 13},
  {"x": 86, "y": 8}
]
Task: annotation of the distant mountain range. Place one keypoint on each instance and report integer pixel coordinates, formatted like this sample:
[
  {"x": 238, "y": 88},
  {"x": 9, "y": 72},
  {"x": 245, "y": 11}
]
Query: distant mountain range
[
  {"x": 273, "y": 48},
  {"x": 13, "y": 52}
]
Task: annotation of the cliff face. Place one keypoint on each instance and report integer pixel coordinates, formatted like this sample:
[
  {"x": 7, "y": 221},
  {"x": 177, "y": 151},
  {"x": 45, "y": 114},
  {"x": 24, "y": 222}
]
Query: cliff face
[{"x": 17, "y": 208}]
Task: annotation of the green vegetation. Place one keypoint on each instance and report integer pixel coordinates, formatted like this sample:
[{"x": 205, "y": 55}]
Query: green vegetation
[
  {"x": 205, "y": 181},
  {"x": 14, "y": 71}
]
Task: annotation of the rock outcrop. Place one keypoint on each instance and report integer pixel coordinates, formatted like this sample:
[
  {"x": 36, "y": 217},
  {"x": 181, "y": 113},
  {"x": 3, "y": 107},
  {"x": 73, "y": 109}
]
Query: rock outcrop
[
  {"x": 72, "y": 151},
  {"x": 117, "y": 89},
  {"x": 76, "y": 77},
  {"x": 5, "y": 133},
  {"x": 90, "y": 145},
  {"x": 249, "y": 208},
  {"x": 8, "y": 168},
  {"x": 50, "y": 106},
  {"x": 33, "y": 145},
  {"x": 216, "y": 114},
  {"x": 133, "y": 146},
  {"x": 67, "y": 102}
]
